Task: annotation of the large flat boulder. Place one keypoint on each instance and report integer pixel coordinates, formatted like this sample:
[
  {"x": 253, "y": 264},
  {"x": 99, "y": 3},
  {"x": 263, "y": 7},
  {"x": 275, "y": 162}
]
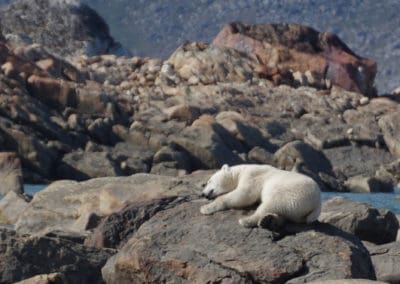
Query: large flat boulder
[
  {"x": 180, "y": 245},
  {"x": 71, "y": 206},
  {"x": 283, "y": 47}
]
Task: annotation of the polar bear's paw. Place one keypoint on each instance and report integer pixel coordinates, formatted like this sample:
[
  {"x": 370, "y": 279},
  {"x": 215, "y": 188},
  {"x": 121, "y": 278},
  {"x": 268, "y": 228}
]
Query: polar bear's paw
[
  {"x": 248, "y": 222},
  {"x": 271, "y": 222},
  {"x": 207, "y": 209}
]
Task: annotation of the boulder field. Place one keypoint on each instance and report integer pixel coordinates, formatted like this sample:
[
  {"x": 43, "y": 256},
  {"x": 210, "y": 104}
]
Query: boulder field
[
  {"x": 130, "y": 142},
  {"x": 206, "y": 105}
]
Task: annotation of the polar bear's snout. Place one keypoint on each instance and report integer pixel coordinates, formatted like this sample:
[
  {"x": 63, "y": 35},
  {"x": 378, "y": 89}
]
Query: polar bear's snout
[{"x": 207, "y": 194}]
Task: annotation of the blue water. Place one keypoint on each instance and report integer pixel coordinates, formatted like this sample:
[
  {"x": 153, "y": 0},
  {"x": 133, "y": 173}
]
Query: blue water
[
  {"x": 378, "y": 200},
  {"x": 31, "y": 189}
]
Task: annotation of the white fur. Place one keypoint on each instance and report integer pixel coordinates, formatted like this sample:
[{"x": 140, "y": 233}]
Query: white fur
[{"x": 287, "y": 195}]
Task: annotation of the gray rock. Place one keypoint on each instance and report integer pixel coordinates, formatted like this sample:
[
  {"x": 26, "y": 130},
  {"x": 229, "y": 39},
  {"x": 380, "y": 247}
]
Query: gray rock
[
  {"x": 386, "y": 261},
  {"x": 200, "y": 63},
  {"x": 170, "y": 154},
  {"x": 348, "y": 161},
  {"x": 369, "y": 184},
  {"x": 391, "y": 132},
  {"x": 82, "y": 165},
  {"x": 83, "y": 31},
  {"x": 261, "y": 156},
  {"x": 28, "y": 256},
  {"x": 168, "y": 169},
  {"x": 348, "y": 281},
  {"x": 366, "y": 222},
  {"x": 12, "y": 206},
  {"x": 56, "y": 277},
  {"x": 10, "y": 173},
  {"x": 210, "y": 146},
  {"x": 305, "y": 159},
  {"x": 295, "y": 152},
  {"x": 392, "y": 169},
  {"x": 131, "y": 159},
  {"x": 70, "y": 206},
  {"x": 116, "y": 229},
  {"x": 180, "y": 245}
]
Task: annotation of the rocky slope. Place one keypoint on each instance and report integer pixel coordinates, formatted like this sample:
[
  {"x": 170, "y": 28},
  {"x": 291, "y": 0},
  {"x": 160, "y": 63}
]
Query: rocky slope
[
  {"x": 369, "y": 27},
  {"x": 203, "y": 107}
]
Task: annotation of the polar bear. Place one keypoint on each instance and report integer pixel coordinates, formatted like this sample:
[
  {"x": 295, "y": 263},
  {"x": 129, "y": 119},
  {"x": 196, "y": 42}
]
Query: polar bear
[{"x": 283, "y": 195}]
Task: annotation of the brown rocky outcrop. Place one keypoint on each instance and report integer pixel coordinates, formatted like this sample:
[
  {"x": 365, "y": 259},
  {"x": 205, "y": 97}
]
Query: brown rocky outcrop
[{"x": 320, "y": 58}]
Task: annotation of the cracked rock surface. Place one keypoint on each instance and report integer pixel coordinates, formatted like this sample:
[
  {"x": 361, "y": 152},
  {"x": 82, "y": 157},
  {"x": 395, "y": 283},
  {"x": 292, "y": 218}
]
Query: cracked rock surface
[{"x": 179, "y": 245}]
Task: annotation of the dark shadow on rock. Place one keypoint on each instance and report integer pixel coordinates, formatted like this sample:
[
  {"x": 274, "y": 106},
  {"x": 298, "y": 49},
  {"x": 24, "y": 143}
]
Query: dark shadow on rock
[{"x": 116, "y": 229}]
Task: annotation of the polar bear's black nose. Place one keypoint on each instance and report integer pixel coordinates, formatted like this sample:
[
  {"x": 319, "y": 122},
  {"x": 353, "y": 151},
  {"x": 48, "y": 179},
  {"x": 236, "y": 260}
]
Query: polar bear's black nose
[{"x": 208, "y": 195}]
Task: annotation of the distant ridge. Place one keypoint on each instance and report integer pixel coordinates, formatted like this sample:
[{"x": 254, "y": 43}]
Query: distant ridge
[{"x": 156, "y": 28}]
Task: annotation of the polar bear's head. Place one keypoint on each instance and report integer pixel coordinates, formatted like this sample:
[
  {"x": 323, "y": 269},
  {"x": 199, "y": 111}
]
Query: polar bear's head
[{"x": 219, "y": 183}]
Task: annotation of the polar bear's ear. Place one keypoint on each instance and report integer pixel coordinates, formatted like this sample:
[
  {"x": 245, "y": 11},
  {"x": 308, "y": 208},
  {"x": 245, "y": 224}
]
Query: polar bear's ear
[{"x": 225, "y": 168}]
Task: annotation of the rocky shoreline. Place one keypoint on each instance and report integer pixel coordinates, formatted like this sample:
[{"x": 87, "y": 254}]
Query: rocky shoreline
[{"x": 131, "y": 141}]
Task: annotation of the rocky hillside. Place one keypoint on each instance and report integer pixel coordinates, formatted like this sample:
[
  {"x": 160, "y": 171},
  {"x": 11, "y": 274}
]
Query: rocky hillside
[
  {"x": 157, "y": 28},
  {"x": 283, "y": 102}
]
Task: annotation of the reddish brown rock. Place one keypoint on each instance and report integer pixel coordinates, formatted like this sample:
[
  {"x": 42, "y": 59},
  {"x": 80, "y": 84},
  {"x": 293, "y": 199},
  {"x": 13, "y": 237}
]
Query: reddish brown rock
[{"x": 290, "y": 47}]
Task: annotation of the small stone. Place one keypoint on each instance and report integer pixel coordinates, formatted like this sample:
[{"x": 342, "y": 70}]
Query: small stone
[
  {"x": 364, "y": 101},
  {"x": 193, "y": 80}
]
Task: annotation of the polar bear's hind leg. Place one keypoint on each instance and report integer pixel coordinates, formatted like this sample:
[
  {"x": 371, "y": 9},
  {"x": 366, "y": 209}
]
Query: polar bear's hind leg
[
  {"x": 254, "y": 219},
  {"x": 272, "y": 222},
  {"x": 313, "y": 216}
]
